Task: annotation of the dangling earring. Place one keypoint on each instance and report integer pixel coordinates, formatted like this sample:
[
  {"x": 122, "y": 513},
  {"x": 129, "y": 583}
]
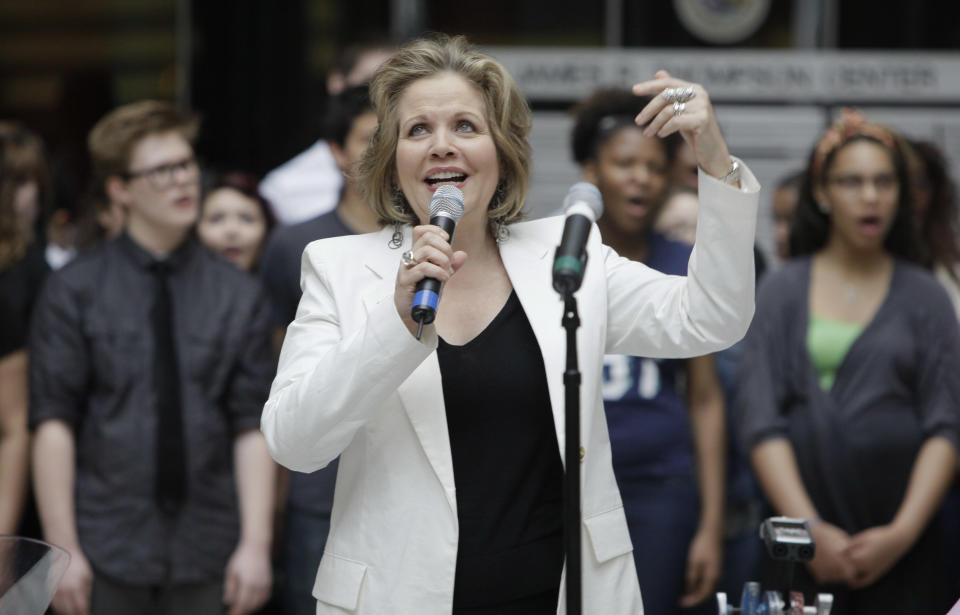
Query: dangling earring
[
  {"x": 396, "y": 240},
  {"x": 501, "y": 232}
]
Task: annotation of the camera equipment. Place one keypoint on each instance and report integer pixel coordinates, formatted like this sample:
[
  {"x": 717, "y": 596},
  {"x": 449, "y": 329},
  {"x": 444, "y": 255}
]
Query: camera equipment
[{"x": 787, "y": 540}]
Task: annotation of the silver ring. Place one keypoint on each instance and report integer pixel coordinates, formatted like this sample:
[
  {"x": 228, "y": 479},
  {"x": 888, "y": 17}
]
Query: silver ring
[
  {"x": 407, "y": 259},
  {"x": 669, "y": 94},
  {"x": 679, "y": 108},
  {"x": 685, "y": 94}
]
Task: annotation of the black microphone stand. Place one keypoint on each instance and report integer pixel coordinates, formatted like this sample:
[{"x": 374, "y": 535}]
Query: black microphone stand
[{"x": 571, "y": 483}]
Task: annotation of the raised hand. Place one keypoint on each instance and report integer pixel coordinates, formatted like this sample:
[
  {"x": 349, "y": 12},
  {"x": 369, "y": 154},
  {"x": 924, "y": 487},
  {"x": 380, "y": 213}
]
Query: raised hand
[{"x": 684, "y": 107}]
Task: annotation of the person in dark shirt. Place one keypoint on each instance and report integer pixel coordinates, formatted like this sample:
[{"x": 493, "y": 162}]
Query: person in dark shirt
[
  {"x": 665, "y": 416},
  {"x": 351, "y": 123},
  {"x": 150, "y": 363},
  {"x": 24, "y": 187},
  {"x": 935, "y": 212}
]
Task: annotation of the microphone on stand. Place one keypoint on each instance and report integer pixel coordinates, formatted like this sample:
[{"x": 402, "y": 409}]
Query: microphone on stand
[
  {"x": 582, "y": 206},
  {"x": 446, "y": 209}
]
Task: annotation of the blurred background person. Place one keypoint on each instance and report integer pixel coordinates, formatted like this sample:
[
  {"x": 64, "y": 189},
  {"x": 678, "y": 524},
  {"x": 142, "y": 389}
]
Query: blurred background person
[
  {"x": 307, "y": 499},
  {"x": 677, "y": 219},
  {"x": 235, "y": 219},
  {"x": 24, "y": 191},
  {"x": 743, "y": 510},
  {"x": 150, "y": 363},
  {"x": 848, "y": 382},
  {"x": 101, "y": 218},
  {"x": 936, "y": 217},
  {"x": 665, "y": 417},
  {"x": 350, "y": 123},
  {"x": 784, "y": 205},
  {"x": 310, "y": 183},
  {"x": 683, "y": 167}
]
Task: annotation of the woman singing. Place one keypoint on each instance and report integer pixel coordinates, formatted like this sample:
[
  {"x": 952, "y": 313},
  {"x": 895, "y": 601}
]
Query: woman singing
[{"x": 449, "y": 490}]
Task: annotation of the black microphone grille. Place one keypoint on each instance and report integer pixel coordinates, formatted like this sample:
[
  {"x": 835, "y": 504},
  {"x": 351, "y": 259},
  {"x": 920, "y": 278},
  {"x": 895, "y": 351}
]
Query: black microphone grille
[{"x": 447, "y": 201}]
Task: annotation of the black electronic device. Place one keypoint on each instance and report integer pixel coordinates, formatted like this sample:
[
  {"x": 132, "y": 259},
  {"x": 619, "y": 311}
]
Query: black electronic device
[{"x": 787, "y": 540}]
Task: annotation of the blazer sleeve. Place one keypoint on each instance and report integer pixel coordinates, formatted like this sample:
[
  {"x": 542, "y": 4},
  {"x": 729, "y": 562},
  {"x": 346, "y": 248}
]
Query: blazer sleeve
[
  {"x": 331, "y": 380},
  {"x": 655, "y": 315}
]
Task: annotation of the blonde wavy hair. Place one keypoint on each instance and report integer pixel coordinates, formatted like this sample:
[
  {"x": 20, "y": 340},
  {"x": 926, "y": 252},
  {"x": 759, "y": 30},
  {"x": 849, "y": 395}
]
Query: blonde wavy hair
[{"x": 508, "y": 117}]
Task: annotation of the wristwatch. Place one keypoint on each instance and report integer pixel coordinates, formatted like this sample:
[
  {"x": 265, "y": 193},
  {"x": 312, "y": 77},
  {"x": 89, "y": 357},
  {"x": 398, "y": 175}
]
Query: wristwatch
[{"x": 733, "y": 177}]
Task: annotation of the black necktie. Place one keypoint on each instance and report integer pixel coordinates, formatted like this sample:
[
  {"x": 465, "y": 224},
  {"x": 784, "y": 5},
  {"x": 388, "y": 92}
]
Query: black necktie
[{"x": 171, "y": 476}]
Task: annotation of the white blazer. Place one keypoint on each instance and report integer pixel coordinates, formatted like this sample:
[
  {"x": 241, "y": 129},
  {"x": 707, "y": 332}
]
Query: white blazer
[{"x": 353, "y": 382}]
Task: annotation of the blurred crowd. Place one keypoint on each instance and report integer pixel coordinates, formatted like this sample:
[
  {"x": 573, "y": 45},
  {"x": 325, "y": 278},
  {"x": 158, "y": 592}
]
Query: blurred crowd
[{"x": 141, "y": 332}]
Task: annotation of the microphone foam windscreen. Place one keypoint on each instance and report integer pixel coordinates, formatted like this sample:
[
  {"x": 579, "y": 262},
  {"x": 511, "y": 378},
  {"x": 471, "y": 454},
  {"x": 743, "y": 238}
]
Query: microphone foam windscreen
[{"x": 584, "y": 193}]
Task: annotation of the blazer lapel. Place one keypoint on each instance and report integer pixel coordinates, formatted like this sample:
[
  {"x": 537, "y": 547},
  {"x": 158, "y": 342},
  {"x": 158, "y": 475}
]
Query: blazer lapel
[
  {"x": 421, "y": 394},
  {"x": 525, "y": 256}
]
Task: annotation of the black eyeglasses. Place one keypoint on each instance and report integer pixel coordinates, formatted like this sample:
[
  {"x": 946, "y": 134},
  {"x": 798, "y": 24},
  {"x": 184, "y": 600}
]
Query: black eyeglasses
[{"x": 163, "y": 176}]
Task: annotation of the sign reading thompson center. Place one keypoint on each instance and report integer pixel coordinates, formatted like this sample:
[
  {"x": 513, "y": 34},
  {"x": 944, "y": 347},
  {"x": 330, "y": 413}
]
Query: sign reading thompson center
[{"x": 566, "y": 75}]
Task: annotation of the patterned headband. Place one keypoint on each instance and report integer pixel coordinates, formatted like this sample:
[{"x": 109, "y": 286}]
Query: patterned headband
[{"x": 850, "y": 124}]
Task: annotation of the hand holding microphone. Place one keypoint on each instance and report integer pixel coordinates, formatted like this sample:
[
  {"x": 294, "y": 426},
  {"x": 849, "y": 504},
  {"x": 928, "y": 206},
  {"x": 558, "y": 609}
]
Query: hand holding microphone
[{"x": 430, "y": 262}]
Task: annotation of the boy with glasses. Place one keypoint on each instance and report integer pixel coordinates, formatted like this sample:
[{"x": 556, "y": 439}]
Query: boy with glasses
[{"x": 150, "y": 364}]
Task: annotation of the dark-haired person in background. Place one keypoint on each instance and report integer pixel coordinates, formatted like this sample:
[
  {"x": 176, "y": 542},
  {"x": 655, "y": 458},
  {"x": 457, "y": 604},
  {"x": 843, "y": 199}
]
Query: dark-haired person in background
[
  {"x": 935, "y": 214},
  {"x": 149, "y": 364},
  {"x": 309, "y": 184},
  {"x": 24, "y": 188},
  {"x": 350, "y": 124},
  {"x": 665, "y": 416},
  {"x": 235, "y": 219},
  {"x": 784, "y": 205},
  {"x": 848, "y": 389}
]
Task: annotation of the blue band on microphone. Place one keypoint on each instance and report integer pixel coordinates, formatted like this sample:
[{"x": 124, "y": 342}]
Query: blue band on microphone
[{"x": 426, "y": 298}]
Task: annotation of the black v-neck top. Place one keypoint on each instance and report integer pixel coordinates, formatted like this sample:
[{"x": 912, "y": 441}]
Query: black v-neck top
[{"x": 507, "y": 469}]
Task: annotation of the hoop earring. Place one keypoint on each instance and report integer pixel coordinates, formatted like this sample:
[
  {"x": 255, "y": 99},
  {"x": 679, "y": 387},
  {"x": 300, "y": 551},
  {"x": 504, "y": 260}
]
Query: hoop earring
[{"x": 396, "y": 240}]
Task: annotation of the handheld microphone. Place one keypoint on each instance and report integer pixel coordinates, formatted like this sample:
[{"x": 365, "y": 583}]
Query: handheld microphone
[
  {"x": 446, "y": 209},
  {"x": 582, "y": 206}
]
